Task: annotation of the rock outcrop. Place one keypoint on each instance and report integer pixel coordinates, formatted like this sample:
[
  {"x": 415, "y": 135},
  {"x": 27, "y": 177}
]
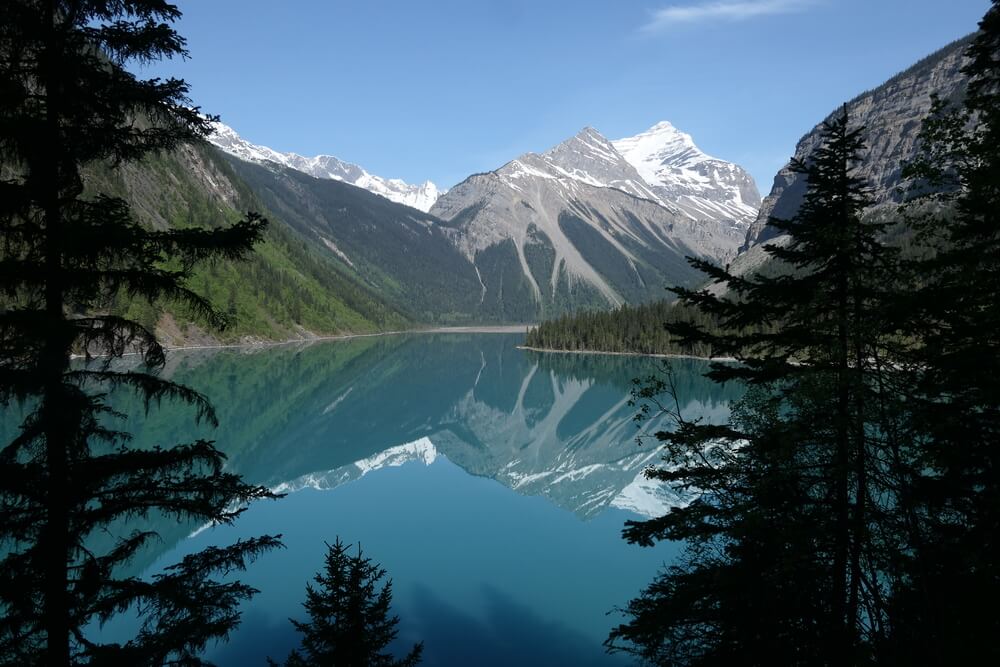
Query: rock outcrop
[{"x": 891, "y": 115}]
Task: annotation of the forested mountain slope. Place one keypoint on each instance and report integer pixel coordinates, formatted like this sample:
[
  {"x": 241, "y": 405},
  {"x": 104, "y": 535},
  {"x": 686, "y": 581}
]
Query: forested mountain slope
[
  {"x": 398, "y": 252},
  {"x": 287, "y": 289}
]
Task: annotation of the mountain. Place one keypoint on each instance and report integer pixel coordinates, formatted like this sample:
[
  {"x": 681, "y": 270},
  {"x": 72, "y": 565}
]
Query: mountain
[
  {"x": 592, "y": 159},
  {"x": 406, "y": 256},
  {"x": 679, "y": 173},
  {"x": 420, "y": 197},
  {"x": 891, "y": 115},
  {"x": 288, "y": 288},
  {"x": 578, "y": 226}
]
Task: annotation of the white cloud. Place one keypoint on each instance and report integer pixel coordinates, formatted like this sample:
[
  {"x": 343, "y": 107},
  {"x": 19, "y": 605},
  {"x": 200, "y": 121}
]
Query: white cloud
[{"x": 725, "y": 10}]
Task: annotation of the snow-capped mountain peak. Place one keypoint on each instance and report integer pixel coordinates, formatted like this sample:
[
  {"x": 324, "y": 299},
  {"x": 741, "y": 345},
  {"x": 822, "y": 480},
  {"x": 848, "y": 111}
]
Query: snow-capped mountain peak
[
  {"x": 227, "y": 139},
  {"x": 587, "y": 157},
  {"x": 659, "y": 146},
  {"x": 703, "y": 187},
  {"x": 582, "y": 206},
  {"x": 420, "y": 196}
]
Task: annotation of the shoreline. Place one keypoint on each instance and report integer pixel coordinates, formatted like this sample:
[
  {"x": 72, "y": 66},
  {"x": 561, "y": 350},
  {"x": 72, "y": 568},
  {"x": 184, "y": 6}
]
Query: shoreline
[
  {"x": 484, "y": 329},
  {"x": 653, "y": 355},
  {"x": 481, "y": 329}
]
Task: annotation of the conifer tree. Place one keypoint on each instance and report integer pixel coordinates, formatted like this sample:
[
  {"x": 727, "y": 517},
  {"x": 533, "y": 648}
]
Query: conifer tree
[
  {"x": 68, "y": 101},
  {"x": 780, "y": 568},
  {"x": 349, "y": 623},
  {"x": 952, "y": 572}
]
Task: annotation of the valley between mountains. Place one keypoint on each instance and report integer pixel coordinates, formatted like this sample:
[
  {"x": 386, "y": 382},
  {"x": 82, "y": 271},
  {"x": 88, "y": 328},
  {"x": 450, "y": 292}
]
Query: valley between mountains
[{"x": 589, "y": 224}]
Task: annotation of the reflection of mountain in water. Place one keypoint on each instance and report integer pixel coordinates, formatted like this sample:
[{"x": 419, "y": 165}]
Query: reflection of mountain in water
[
  {"x": 571, "y": 440},
  {"x": 552, "y": 425},
  {"x": 324, "y": 414},
  {"x": 422, "y": 450}
]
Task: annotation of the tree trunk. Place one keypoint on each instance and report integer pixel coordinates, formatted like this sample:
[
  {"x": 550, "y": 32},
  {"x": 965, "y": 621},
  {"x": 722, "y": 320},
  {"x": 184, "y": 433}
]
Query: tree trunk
[{"x": 55, "y": 545}]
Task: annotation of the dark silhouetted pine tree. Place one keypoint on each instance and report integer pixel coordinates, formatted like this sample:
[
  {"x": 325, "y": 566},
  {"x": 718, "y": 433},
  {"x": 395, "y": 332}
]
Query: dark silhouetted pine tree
[
  {"x": 781, "y": 566},
  {"x": 66, "y": 101},
  {"x": 942, "y": 610},
  {"x": 349, "y": 623}
]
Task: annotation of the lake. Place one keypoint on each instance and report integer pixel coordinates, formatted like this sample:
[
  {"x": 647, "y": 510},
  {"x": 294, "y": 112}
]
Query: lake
[{"x": 492, "y": 483}]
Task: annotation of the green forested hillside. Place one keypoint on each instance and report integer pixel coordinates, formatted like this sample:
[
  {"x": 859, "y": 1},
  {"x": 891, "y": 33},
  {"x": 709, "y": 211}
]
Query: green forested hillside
[
  {"x": 287, "y": 289},
  {"x": 398, "y": 252}
]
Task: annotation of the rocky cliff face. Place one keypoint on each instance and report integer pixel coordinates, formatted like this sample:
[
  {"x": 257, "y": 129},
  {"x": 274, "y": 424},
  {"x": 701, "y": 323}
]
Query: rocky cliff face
[{"x": 891, "y": 115}]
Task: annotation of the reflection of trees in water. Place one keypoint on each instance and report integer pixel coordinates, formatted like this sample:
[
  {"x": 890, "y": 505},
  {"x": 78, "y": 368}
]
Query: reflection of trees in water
[{"x": 619, "y": 371}]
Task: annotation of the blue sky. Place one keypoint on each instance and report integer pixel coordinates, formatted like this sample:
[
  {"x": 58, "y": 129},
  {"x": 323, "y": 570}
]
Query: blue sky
[{"x": 443, "y": 89}]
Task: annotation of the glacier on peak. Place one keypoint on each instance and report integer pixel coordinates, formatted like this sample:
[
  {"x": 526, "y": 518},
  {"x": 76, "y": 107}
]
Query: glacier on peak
[
  {"x": 701, "y": 186},
  {"x": 421, "y": 196}
]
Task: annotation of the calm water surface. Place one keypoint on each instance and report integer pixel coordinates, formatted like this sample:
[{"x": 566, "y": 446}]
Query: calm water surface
[{"x": 491, "y": 483}]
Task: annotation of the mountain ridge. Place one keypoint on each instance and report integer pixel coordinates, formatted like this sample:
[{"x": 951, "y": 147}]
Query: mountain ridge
[
  {"x": 420, "y": 197},
  {"x": 598, "y": 232},
  {"x": 891, "y": 114},
  {"x": 573, "y": 227}
]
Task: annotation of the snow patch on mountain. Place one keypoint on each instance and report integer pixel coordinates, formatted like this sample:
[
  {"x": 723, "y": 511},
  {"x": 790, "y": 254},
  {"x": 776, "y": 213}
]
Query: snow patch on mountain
[
  {"x": 649, "y": 498},
  {"x": 703, "y": 187},
  {"x": 422, "y": 450},
  {"x": 585, "y": 158},
  {"x": 420, "y": 196}
]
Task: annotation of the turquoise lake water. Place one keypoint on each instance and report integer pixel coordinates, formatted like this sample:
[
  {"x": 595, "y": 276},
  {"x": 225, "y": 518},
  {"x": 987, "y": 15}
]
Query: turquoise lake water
[{"x": 491, "y": 483}]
